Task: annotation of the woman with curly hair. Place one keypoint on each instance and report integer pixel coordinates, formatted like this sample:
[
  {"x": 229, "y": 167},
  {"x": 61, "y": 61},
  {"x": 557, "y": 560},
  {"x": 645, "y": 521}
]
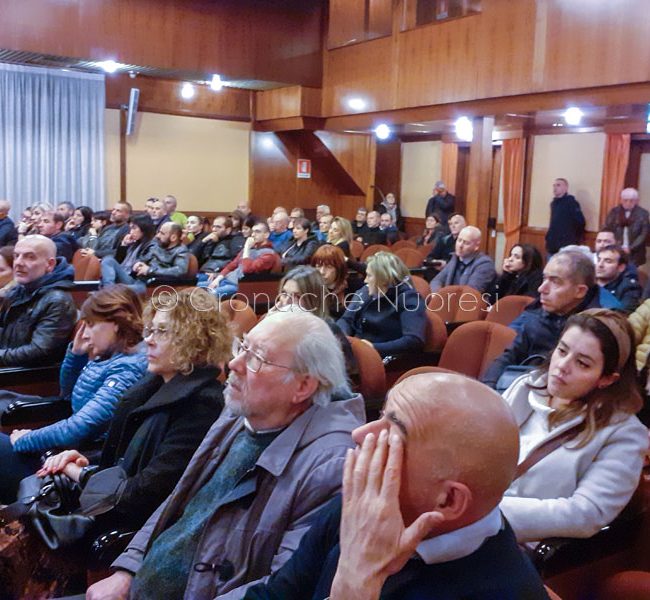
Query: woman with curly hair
[
  {"x": 102, "y": 362},
  {"x": 158, "y": 425}
]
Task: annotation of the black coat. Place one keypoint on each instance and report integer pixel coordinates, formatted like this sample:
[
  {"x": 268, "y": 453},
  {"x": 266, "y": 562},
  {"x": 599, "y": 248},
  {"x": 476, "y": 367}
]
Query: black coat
[
  {"x": 8, "y": 232},
  {"x": 299, "y": 255},
  {"x": 627, "y": 290},
  {"x": 36, "y": 320},
  {"x": 567, "y": 224},
  {"x": 216, "y": 255},
  {"x": 513, "y": 284},
  {"x": 155, "y": 431},
  {"x": 638, "y": 227},
  {"x": 444, "y": 248},
  {"x": 66, "y": 245},
  {"x": 372, "y": 236}
]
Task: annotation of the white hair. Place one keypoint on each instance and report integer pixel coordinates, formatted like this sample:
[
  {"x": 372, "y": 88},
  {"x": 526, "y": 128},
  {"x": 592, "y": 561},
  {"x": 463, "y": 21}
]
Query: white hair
[{"x": 317, "y": 353}]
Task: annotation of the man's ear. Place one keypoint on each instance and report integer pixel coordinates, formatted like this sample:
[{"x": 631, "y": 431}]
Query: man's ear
[
  {"x": 307, "y": 386},
  {"x": 51, "y": 263},
  {"x": 581, "y": 290},
  {"x": 453, "y": 500}
]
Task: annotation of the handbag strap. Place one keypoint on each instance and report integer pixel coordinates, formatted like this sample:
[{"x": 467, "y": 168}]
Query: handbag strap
[
  {"x": 21, "y": 507},
  {"x": 544, "y": 450}
]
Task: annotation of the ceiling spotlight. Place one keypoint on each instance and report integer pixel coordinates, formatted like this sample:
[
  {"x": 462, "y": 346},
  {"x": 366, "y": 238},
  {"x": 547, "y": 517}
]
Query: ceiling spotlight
[
  {"x": 132, "y": 74},
  {"x": 464, "y": 129},
  {"x": 357, "y": 103},
  {"x": 216, "y": 83},
  {"x": 267, "y": 142},
  {"x": 573, "y": 115},
  {"x": 109, "y": 66},
  {"x": 382, "y": 131},
  {"x": 187, "y": 91}
]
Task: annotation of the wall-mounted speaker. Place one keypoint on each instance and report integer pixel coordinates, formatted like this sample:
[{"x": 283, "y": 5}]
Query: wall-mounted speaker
[{"x": 132, "y": 111}]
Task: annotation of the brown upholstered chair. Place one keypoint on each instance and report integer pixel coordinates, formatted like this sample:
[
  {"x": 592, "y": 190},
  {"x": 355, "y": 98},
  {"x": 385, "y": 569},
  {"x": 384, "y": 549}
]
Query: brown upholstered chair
[
  {"x": 507, "y": 309},
  {"x": 472, "y": 347},
  {"x": 356, "y": 249},
  {"x": 628, "y": 585},
  {"x": 403, "y": 244},
  {"x": 371, "y": 381},
  {"x": 410, "y": 256},
  {"x": 240, "y": 315},
  {"x": 424, "y": 250},
  {"x": 421, "y": 285},
  {"x": 458, "y": 304},
  {"x": 373, "y": 249},
  {"x": 192, "y": 266},
  {"x": 436, "y": 335},
  {"x": 86, "y": 268}
]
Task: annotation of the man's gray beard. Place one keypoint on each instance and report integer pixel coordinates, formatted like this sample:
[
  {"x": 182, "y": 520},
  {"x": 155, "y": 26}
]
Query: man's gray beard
[{"x": 233, "y": 406}]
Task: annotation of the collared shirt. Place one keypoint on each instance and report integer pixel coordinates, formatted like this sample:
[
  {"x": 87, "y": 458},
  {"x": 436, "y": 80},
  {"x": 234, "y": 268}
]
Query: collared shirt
[{"x": 461, "y": 542}]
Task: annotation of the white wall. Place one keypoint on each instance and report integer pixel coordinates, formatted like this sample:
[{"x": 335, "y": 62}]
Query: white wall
[
  {"x": 577, "y": 157},
  {"x": 421, "y": 168}
]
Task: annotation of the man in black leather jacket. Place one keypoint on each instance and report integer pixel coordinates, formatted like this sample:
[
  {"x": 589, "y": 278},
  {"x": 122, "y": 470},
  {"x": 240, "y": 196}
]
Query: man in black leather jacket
[{"x": 38, "y": 316}]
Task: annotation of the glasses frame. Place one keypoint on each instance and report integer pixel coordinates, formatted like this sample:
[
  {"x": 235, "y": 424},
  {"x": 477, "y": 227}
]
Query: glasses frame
[
  {"x": 241, "y": 347},
  {"x": 155, "y": 332}
]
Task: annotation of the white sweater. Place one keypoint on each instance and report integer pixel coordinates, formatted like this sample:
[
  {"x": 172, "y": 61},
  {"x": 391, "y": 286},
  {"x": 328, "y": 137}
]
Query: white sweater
[{"x": 572, "y": 492}]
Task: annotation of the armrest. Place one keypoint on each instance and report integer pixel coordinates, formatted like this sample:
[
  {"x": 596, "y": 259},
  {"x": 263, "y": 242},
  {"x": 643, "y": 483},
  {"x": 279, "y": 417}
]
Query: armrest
[
  {"x": 171, "y": 281},
  {"x": 553, "y": 556},
  {"x": 20, "y": 412},
  {"x": 107, "y": 547}
]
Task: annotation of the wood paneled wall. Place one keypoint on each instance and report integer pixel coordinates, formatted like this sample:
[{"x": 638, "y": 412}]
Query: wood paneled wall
[
  {"x": 292, "y": 101},
  {"x": 511, "y": 48},
  {"x": 163, "y": 96},
  {"x": 342, "y": 169},
  {"x": 243, "y": 39}
]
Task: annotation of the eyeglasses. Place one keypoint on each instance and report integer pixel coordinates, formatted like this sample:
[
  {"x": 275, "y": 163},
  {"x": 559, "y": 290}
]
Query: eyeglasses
[
  {"x": 158, "y": 333},
  {"x": 254, "y": 361}
]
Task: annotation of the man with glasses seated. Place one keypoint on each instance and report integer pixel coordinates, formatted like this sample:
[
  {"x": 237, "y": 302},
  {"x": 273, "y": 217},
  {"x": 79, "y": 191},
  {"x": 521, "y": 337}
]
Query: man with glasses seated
[{"x": 261, "y": 474}]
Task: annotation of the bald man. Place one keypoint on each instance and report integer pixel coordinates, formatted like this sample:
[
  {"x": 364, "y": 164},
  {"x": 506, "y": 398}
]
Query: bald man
[
  {"x": 39, "y": 314},
  {"x": 467, "y": 265},
  {"x": 8, "y": 232},
  {"x": 419, "y": 518},
  {"x": 630, "y": 225}
]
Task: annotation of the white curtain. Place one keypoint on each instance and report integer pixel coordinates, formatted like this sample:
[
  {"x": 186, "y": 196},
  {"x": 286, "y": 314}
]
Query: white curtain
[{"x": 51, "y": 137}]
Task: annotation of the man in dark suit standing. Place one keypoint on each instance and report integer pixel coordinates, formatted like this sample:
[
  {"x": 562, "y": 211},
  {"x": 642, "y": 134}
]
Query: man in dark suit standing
[
  {"x": 630, "y": 225},
  {"x": 441, "y": 204},
  {"x": 567, "y": 224}
]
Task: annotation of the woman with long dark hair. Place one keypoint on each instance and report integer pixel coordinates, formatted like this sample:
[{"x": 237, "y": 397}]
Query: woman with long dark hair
[
  {"x": 522, "y": 273},
  {"x": 588, "y": 393},
  {"x": 80, "y": 222}
]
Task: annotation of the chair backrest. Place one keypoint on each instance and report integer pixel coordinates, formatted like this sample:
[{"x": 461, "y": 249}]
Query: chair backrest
[
  {"x": 192, "y": 266},
  {"x": 411, "y": 257},
  {"x": 372, "y": 375},
  {"x": 373, "y": 249},
  {"x": 507, "y": 309},
  {"x": 458, "y": 304},
  {"x": 472, "y": 347},
  {"x": 86, "y": 268},
  {"x": 403, "y": 244},
  {"x": 627, "y": 585},
  {"x": 420, "y": 370},
  {"x": 436, "y": 333},
  {"x": 356, "y": 249},
  {"x": 241, "y": 316},
  {"x": 421, "y": 285},
  {"x": 424, "y": 250}
]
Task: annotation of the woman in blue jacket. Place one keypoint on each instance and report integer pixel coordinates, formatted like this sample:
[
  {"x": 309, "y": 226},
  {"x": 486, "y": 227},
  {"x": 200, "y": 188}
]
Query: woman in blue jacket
[
  {"x": 103, "y": 361},
  {"x": 387, "y": 312}
]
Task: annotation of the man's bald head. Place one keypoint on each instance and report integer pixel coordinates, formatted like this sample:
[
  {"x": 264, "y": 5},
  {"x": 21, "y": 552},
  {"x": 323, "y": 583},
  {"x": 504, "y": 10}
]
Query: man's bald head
[
  {"x": 5, "y": 207},
  {"x": 34, "y": 256},
  {"x": 468, "y": 241},
  {"x": 462, "y": 445}
]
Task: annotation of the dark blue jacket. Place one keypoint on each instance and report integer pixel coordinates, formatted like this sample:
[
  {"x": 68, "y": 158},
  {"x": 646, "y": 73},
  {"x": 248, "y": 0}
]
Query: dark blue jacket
[
  {"x": 393, "y": 322},
  {"x": 627, "y": 290},
  {"x": 497, "y": 570},
  {"x": 567, "y": 224},
  {"x": 66, "y": 245},
  {"x": 538, "y": 332},
  {"x": 8, "y": 233}
]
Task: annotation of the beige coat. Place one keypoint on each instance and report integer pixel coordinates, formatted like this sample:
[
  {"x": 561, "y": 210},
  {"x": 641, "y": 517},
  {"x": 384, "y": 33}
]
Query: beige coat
[{"x": 640, "y": 321}]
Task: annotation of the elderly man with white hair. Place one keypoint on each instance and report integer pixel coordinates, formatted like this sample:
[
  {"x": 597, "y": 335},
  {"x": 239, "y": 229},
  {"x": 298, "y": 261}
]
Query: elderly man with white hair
[
  {"x": 630, "y": 225},
  {"x": 252, "y": 489},
  {"x": 38, "y": 314},
  {"x": 8, "y": 232},
  {"x": 467, "y": 266}
]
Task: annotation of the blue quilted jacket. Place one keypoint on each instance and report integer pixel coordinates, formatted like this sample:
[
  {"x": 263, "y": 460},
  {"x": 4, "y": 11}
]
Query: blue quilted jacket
[{"x": 94, "y": 388}]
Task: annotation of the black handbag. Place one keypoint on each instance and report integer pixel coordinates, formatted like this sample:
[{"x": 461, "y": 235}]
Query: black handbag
[
  {"x": 511, "y": 372},
  {"x": 50, "y": 504}
]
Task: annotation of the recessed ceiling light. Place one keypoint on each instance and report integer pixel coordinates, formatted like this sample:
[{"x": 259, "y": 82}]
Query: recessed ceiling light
[
  {"x": 187, "y": 91},
  {"x": 573, "y": 115},
  {"x": 382, "y": 131},
  {"x": 216, "y": 83},
  {"x": 464, "y": 129},
  {"x": 109, "y": 66},
  {"x": 357, "y": 103}
]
